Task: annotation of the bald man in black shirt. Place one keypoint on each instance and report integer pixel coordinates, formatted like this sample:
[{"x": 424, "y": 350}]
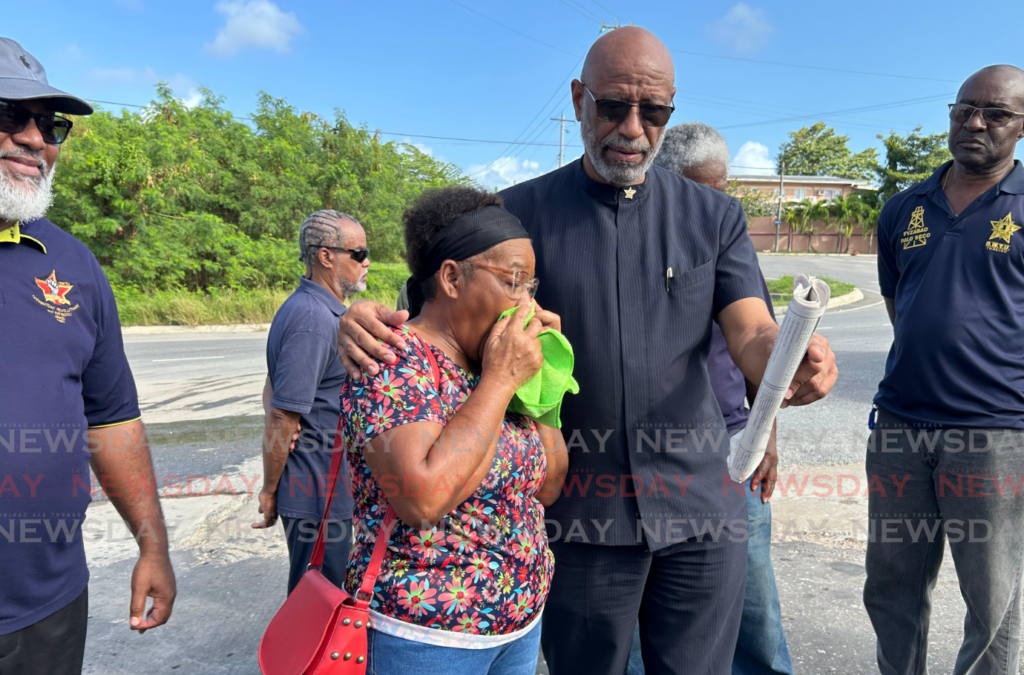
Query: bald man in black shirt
[{"x": 638, "y": 262}]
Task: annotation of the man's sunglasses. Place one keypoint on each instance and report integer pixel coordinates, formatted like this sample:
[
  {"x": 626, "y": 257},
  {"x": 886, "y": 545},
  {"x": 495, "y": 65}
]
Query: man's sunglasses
[
  {"x": 14, "y": 118},
  {"x": 613, "y": 111},
  {"x": 358, "y": 254},
  {"x": 997, "y": 117}
]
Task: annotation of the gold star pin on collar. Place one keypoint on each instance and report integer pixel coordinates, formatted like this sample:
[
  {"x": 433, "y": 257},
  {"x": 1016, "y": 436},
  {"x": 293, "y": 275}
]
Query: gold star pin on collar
[
  {"x": 1003, "y": 229},
  {"x": 629, "y": 192}
]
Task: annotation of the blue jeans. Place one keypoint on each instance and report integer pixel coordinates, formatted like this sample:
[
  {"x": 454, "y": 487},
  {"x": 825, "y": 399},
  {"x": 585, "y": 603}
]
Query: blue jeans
[
  {"x": 389, "y": 655},
  {"x": 761, "y": 647}
]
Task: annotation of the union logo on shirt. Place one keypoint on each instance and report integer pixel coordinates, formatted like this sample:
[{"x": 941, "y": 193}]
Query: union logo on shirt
[
  {"x": 55, "y": 296},
  {"x": 1002, "y": 229},
  {"x": 916, "y": 233}
]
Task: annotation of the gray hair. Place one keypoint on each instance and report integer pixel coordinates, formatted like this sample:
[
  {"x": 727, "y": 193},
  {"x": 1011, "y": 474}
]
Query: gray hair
[
  {"x": 323, "y": 228},
  {"x": 691, "y": 144}
]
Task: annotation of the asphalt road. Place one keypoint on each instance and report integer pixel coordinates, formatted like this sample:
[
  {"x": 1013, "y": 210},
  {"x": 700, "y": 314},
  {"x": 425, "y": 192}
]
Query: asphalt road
[{"x": 200, "y": 392}]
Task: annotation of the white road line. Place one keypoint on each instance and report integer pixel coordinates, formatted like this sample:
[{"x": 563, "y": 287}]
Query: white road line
[{"x": 191, "y": 358}]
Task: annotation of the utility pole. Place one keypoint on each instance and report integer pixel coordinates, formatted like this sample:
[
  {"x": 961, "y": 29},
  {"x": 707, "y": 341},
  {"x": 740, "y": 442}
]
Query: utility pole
[
  {"x": 561, "y": 137},
  {"x": 782, "y": 195}
]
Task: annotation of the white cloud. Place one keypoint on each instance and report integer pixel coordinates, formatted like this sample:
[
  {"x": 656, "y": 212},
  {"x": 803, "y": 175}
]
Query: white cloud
[
  {"x": 425, "y": 149},
  {"x": 753, "y": 158},
  {"x": 743, "y": 28},
  {"x": 255, "y": 23},
  {"x": 504, "y": 172},
  {"x": 105, "y": 77}
]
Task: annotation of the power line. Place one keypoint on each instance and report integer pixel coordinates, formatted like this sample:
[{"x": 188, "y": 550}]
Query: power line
[
  {"x": 881, "y": 106},
  {"x": 798, "y": 65},
  {"x": 517, "y": 32},
  {"x": 467, "y": 140},
  {"x": 587, "y": 12},
  {"x": 588, "y": 17},
  {"x": 605, "y": 9}
]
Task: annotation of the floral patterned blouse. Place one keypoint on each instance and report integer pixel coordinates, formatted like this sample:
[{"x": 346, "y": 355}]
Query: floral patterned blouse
[{"x": 485, "y": 569}]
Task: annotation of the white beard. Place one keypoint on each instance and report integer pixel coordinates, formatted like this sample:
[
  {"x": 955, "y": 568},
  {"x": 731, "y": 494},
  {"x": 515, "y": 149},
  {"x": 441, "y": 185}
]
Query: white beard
[
  {"x": 349, "y": 289},
  {"x": 616, "y": 173},
  {"x": 25, "y": 199}
]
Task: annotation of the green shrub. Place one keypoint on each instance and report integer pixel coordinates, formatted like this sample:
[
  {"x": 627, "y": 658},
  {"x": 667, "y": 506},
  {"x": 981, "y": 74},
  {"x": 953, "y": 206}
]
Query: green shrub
[{"x": 187, "y": 308}]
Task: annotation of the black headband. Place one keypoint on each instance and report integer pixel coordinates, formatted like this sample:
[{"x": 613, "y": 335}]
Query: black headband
[{"x": 472, "y": 233}]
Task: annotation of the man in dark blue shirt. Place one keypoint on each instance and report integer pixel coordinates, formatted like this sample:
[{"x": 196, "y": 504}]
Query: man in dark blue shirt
[
  {"x": 67, "y": 401},
  {"x": 947, "y": 452},
  {"x": 639, "y": 262},
  {"x": 303, "y": 388}
]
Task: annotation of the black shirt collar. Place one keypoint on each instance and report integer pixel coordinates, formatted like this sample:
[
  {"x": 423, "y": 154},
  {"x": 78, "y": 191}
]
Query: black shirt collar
[
  {"x": 1013, "y": 183},
  {"x": 610, "y": 194}
]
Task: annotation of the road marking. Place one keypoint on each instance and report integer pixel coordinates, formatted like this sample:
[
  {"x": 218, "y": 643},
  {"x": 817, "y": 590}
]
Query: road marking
[{"x": 191, "y": 358}]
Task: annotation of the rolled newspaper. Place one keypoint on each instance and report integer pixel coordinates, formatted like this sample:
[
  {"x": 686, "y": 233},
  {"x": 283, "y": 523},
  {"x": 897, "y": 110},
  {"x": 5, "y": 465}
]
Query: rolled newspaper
[{"x": 810, "y": 298}]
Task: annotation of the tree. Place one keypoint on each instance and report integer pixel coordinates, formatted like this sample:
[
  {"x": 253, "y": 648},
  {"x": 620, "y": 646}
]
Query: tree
[
  {"x": 754, "y": 202},
  {"x": 176, "y": 197},
  {"x": 801, "y": 217},
  {"x": 844, "y": 214},
  {"x": 910, "y": 159},
  {"x": 868, "y": 205},
  {"x": 816, "y": 211},
  {"x": 817, "y": 151}
]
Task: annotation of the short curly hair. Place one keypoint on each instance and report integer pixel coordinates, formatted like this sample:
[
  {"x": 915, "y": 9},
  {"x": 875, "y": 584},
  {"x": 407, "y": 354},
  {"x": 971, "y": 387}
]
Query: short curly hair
[{"x": 433, "y": 211}]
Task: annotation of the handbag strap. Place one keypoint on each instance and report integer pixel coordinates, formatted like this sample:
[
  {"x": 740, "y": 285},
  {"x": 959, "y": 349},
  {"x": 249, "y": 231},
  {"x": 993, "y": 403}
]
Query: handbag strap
[{"x": 380, "y": 547}]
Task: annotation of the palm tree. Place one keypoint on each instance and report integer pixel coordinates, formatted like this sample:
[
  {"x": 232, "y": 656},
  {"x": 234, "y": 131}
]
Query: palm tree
[
  {"x": 869, "y": 220},
  {"x": 816, "y": 211},
  {"x": 796, "y": 216},
  {"x": 845, "y": 214}
]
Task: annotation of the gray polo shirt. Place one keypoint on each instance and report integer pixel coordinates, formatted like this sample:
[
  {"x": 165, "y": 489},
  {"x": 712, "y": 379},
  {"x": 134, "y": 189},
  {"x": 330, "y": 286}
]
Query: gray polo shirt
[
  {"x": 646, "y": 437},
  {"x": 302, "y": 360}
]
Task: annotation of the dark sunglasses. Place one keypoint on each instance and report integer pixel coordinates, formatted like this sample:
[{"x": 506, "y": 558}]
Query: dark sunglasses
[
  {"x": 358, "y": 254},
  {"x": 14, "y": 118},
  {"x": 610, "y": 110},
  {"x": 997, "y": 117}
]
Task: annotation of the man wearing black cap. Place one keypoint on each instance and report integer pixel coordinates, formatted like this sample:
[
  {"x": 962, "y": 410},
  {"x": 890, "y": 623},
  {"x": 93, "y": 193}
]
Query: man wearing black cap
[
  {"x": 638, "y": 262},
  {"x": 67, "y": 401}
]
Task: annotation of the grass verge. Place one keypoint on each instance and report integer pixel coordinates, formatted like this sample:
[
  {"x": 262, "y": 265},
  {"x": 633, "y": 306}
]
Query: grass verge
[
  {"x": 223, "y": 307},
  {"x": 784, "y": 287}
]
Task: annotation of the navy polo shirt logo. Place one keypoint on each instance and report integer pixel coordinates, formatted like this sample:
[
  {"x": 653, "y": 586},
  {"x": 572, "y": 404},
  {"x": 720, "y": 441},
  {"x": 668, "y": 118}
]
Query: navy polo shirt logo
[
  {"x": 916, "y": 233},
  {"x": 1002, "y": 229},
  {"x": 55, "y": 296}
]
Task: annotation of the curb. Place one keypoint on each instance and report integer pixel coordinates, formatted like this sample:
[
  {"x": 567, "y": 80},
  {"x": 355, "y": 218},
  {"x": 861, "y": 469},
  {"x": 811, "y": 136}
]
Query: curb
[
  {"x": 233, "y": 328},
  {"x": 848, "y": 299}
]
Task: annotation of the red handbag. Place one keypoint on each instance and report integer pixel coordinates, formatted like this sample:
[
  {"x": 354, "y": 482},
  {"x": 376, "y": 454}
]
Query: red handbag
[{"x": 321, "y": 629}]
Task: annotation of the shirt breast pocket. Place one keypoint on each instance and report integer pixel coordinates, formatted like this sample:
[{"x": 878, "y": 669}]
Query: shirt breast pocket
[
  {"x": 692, "y": 276},
  {"x": 689, "y": 299}
]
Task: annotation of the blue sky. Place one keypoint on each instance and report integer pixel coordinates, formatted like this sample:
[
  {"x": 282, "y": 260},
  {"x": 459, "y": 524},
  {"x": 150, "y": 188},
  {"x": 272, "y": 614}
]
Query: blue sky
[{"x": 447, "y": 68}]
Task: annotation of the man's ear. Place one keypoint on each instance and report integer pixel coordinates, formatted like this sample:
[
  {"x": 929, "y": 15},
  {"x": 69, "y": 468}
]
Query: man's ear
[
  {"x": 325, "y": 257},
  {"x": 451, "y": 279},
  {"x": 577, "y": 98}
]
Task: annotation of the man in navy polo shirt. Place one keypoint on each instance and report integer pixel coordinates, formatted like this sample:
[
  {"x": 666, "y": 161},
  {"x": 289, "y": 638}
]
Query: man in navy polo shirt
[
  {"x": 67, "y": 401},
  {"x": 303, "y": 388},
  {"x": 947, "y": 453}
]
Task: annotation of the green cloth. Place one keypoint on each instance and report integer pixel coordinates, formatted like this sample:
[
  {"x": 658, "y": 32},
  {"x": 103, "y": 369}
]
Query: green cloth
[{"x": 541, "y": 398}]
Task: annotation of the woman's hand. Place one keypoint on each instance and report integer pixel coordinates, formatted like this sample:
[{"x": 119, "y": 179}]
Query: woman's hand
[
  {"x": 513, "y": 352},
  {"x": 546, "y": 318}
]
